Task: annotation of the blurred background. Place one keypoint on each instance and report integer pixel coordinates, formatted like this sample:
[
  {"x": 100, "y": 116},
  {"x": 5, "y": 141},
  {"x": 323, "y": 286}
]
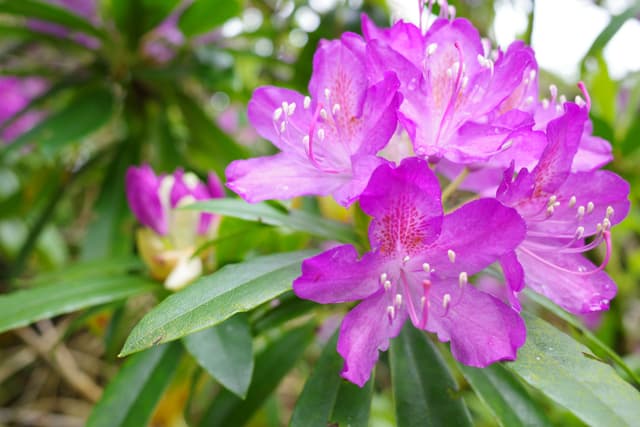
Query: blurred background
[{"x": 90, "y": 87}]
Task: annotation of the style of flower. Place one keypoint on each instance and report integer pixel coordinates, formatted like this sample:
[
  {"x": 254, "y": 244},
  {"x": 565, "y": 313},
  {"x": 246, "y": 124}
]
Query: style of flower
[
  {"x": 462, "y": 101},
  {"x": 418, "y": 267},
  {"x": 170, "y": 237},
  {"x": 328, "y": 141},
  {"x": 567, "y": 213}
]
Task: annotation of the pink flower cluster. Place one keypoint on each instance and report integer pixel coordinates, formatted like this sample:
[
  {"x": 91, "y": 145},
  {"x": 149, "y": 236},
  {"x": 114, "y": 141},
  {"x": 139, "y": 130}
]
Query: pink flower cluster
[{"x": 470, "y": 111}]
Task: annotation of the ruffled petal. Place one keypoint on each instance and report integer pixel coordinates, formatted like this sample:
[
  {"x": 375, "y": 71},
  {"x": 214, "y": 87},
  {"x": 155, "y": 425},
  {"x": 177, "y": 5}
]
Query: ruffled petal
[
  {"x": 576, "y": 292},
  {"x": 366, "y": 330},
  {"x": 406, "y": 206},
  {"x": 279, "y": 177},
  {"x": 143, "y": 195},
  {"x": 338, "y": 276},
  {"x": 474, "y": 236},
  {"x": 481, "y": 328}
]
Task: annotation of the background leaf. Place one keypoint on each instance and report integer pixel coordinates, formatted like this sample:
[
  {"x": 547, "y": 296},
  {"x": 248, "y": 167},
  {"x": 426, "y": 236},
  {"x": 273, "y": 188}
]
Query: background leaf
[
  {"x": 204, "y": 15},
  {"x": 225, "y": 351},
  {"x": 129, "y": 399}
]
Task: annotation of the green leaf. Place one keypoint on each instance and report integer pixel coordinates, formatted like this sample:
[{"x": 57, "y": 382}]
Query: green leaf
[
  {"x": 88, "y": 110},
  {"x": 204, "y": 15},
  {"x": 212, "y": 299},
  {"x": 505, "y": 396},
  {"x": 26, "y": 34},
  {"x": 209, "y": 147},
  {"x": 327, "y": 398},
  {"x": 87, "y": 270},
  {"x": 569, "y": 374},
  {"x": 51, "y": 13},
  {"x": 24, "y": 307},
  {"x": 130, "y": 398},
  {"x": 294, "y": 219},
  {"x": 136, "y": 17},
  {"x": 225, "y": 351},
  {"x": 424, "y": 390},
  {"x": 272, "y": 364}
]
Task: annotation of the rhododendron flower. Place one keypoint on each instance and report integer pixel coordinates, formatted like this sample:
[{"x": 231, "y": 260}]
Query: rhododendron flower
[
  {"x": 562, "y": 210},
  {"x": 16, "y": 94},
  {"x": 418, "y": 267},
  {"x": 461, "y": 101},
  {"x": 172, "y": 236},
  {"x": 328, "y": 141}
]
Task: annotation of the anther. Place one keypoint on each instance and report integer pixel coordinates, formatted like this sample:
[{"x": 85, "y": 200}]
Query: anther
[
  {"x": 323, "y": 113},
  {"x": 431, "y": 49},
  {"x": 305, "y": 139},
  {"x": 406, "y": 259},
  {"x": 446, "y": 299},
  {"x": 606, "y": 224},
  {"x": 426, "y": 267},
  {"x": 579, "y": 233},
  {"x": 562, "y": 99},
  {"x": 463, "y": 279},
  {"x": 391, "y": 312},
  {"x": 609, "y": 212},
  {"x": 383, "y": 277},
  {"x": 552, "y": 200},
  {"x": 387, "y": 285},
  {"x": 291, "y": 109},
  {"x": 572, "y": 201},
  {"x": 452, "y": 256},
  {"x": 398, "y": 300},
  {"x": 532, "y": 74},
  {"x": 285, "y": 106},
  {"x": 580, "y": 101},
  {"x": 550, "y": 210},
  {"x": 336, "y": 109},
  {"x": 590, "y": 207},
  {"x": 545, "y": 103},
  {"x": 277, "y": 113},
  {"x": 580, "y": 212},
  {"x": 553, "y": 90},
  {"x": 321, "y": 134},
  {"x": 307, "y": 102},
  {"x": 327, "y": 93}
]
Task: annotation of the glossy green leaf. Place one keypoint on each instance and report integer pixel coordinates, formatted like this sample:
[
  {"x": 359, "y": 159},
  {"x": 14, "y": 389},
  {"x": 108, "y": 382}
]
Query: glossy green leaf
[
  {"x": 49, "y": 12},
  {"x": 209, "y": 147},
  {"x": 505, "y": 396},
  {"x": 272, "y": 364},
  {"x": 87, "y": 270},
  {"x": 424, "y": 390},
  {"x": 130, "y": 398},
  {"x": 86, "y": 112},
  {"x": 294, "y": 219},
  {"x": 210, "y": 300},
  {"x": 225, "y": 351},
  {"x": 24, "y": 307},
  {"x": 569, "y": 374},
  {"x": 327, "y": 398},
  {"x": 136, "y": 17},
  {"x": 204, "y": 15}
]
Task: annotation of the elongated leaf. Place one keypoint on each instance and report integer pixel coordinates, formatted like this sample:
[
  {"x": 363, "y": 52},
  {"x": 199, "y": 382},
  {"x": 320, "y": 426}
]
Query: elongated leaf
[
  {"x": 505, "y": 396},
  {"x": 209, "y": 147},
  {"x": 87, "y": 270},
  {"x": 424, "y": 391},
  {"x": 130, "y": 398},
  {"x": 27, "y": 34},
  {"x": 293, "y": 219},
  {"x": 272, "y": 364},
  {"x": 566, "y": 372},
  {"x": 47, "y": 12},
  {"x": 214, "y": 298},
  {"x": 204, "y": 15},
  {"x": 24, "y": 307},
  {"x": 88, "y": 111},
  {"x": 136, "y": 17},
  {"x": 327, "y": 398},
  {"x": 225, "y": 351}
]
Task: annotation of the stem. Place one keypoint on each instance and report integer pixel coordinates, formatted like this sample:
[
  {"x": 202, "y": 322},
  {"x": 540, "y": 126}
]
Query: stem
[
  {"x": 453, "y": 185},
  {"x": 529, "y": 31}
]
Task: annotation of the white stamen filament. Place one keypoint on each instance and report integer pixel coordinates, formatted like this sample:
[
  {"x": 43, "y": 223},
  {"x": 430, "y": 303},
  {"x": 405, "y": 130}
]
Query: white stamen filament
[
  {"x": 406, "y": 259},
  {"x": 283, "y": 126}
]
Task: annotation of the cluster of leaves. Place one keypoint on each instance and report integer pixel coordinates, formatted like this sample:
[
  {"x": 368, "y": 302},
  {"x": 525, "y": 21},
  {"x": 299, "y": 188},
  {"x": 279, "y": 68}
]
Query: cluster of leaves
[{"x": 217, "y": 351}]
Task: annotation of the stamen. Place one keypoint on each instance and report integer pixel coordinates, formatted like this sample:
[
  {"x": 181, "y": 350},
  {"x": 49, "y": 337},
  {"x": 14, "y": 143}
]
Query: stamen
[
  {"x": 553, "y": 90},
  {"x": 283, "y": 126},
  {"x": 391, "y": 313},
  {"x": 552, "y": 200},
  {"x": 383, "y": 277},
  {"x": 590, "y": 207},
  {"x": 323, "y": 114},
  {"x": 426, "y": 267},
  {"x": 291, "y": 109},
  {"x": 532, "y": 74},
  {"x": 580, "y": 212},
  {"x": 398, "y": 300},
  {"x": 609, "y": 212},
  {"x": 463, "y": 279},
  {"x": 550, "y": 210},
  {"x": 579, "y": 233},
  {"x": 431, "y": 49},
  {"x": 452, "y": 256},
  {"x": 606, "y": 224},
  {"x": 572, "y": 201},
  {"x": 305, "y": 139},
  {"x": 545, "y": 103},
  {"x": 423, "y": 300},
  {"x": 277, "y": 113},
  {"x": 327, "y": 93},
  {"x": 285, "y": 106},
  {"x": 336, "y": 109},
  {"x": 387, "y": 285},
  {"x": 580, "y": 101},
  {"x": 406, "y": 259},
  {"x": 307, "y": 102},
  {"x": 562, "y": 99},
  {"x": 446, "y": 300},
  {"x": 321, "y": 134}
]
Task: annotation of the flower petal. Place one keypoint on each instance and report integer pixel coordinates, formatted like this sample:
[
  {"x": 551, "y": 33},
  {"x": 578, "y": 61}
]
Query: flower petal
[
  {"x": 406, "y": 206},
  {"x": 338, "y": 276},
  {"x": 366, "y": 330},
  {"x": 143, "y": 188},
  {"x": 481, "y": 328},
  {"x": 474, "y": 236}
]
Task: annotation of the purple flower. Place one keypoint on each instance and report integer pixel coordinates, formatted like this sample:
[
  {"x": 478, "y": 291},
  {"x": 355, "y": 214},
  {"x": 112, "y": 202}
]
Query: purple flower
[
  {"x": 84, "y": 8},
  {"x": 17, "y": 94},
  {"x": 462, "y": 102},
  {"x": 152, "y": 198},
  {"x": 418, "y": 267},
  {"x": 563, "y": 209},
  {"x": 328, "y": 141}
]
